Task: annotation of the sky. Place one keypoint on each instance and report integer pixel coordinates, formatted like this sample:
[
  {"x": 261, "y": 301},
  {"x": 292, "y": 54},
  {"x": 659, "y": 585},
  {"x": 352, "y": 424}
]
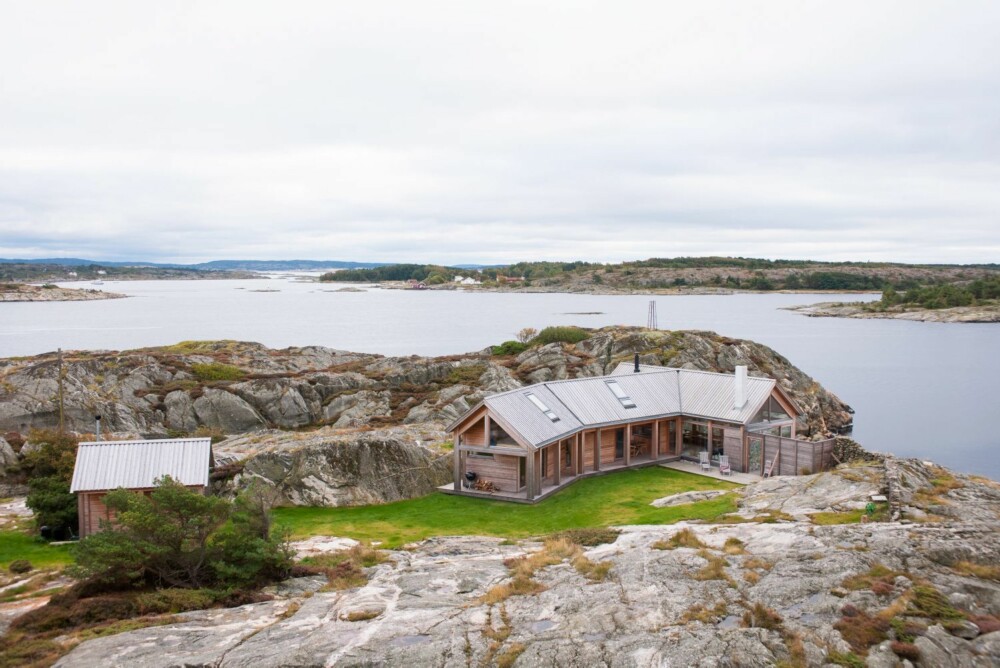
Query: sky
[{"x": 492, "y": 132}]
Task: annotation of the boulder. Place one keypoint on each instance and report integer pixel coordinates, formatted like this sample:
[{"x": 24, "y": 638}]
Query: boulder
[{"x": 227, "y": 412}]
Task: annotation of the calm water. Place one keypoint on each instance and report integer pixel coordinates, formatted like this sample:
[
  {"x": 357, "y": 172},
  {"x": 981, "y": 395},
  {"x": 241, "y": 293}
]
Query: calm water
[{"x": 919, "y": 389}]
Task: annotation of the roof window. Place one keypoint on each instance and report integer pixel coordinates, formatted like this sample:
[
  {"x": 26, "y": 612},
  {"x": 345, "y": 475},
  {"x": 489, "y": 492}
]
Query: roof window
[
  {"x": 619, "y": 393},
  {"x": 542, "y": 407}
]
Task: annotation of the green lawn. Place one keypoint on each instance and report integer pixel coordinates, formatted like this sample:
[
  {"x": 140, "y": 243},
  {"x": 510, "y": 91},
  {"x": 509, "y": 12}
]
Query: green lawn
[
  {"x": 616, "y": 498},
  {"x": 20, "y": 545}
]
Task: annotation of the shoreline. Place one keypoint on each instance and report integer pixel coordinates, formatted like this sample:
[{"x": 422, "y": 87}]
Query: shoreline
[{"x": 40, "y": 293}]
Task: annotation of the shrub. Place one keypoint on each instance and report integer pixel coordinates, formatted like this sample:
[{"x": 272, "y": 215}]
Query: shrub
[
  {"x": 182, "y": 538},
  {"x": 49, "y": 469},
  {"x": 860, "y": 629},
  {"x": 589, "y": 537},
  {"x": 164, "y": 601},
  {"x": 986, "y": 623},
  {"x": 559, "y": 335},
  {"x": 19, "y": 566},
  {"x": 849, "y": 660},
  {"x": 509, "y": 348},
  {"x": 905, "y": 650},
  {"x": 733, "y": 546},
  {"x": 929, "y": 602},
  {"x": 527, "y": 334},
  {"x": 217, "y": 371}
]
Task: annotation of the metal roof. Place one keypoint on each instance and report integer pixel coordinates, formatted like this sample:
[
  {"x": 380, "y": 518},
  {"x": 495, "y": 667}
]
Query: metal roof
[
  {"x": 589, "y": 402},
  {"x": 102, "y": 465}
]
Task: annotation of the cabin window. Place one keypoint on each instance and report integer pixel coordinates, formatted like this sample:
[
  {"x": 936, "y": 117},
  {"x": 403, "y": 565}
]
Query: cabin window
[
  {"x": 481, "y": 455},
  {"x": 567, "y": 460},
  {"x": 771, "y": 412},
  {"x": 619, "y": 393},
  {"x": 540, "y": 405}
]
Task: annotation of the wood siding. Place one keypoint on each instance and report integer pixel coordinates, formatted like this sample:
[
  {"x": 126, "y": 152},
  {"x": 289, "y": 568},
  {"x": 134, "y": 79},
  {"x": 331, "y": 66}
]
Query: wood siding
[
  {"x": 92, "y": 510},
  {"x": 795, "y": 456},
  {"x": 475, "y": 434},
  {"x": 732, "y": 447},
  {"x": 501, "y": 470},
  {"x": 608, "y": 437}
]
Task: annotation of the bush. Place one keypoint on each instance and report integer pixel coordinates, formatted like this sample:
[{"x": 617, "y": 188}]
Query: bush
[
  {"x": 164, "y": 601},
  {"x": 509, "y": 348},
  {"x": 184, "y": 539},
  {"x": 49, "y": 470},
  {"x": 19, "y": 566},
  {"x": 905, "y": 650},
  {"x": 559, "y": 335},
  {"x": 216, "y": 371}
]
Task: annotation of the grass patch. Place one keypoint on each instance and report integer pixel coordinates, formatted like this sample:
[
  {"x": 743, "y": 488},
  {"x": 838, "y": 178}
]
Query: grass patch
[
  {"x": 977, "y": 570},
  {"x": 929, "y": 602},
  {"x": 17, "y": 545},
  {"x": 507, "y": 658},
  {"x": 849, "y": 660},
  {"x": 877, "y": 578},
  {"x": 559, "y": 335},
  {"x": 762, "y": 617},
  {"x": 699, "y": 613},
  {"x": 734, "y": 546},
  {"x": 217, "y": 371},
  {"x": 860, "y": 629},
  {"x": 622, "y": 497},
  {"x": 344, "y": 569}
]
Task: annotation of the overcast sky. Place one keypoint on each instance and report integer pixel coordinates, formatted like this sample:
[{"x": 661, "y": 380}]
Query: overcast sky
[{"x": 500, "y": 131}]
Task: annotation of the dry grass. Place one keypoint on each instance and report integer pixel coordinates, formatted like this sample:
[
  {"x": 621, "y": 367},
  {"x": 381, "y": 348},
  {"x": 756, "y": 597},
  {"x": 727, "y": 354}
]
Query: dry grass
[
  {"x": 734, "y": 546},
  {"x": 715, "y": 569},
  {"x": 507, "y": 658},
  {"x": 362, "y": 615},
  {"x": 878, "y": 577},
  {"x": 975, "y": 570},
  {"x": 345, "y": 570},
  {"x": 860, "y": 629},
  {"x": 762, "y": 617},
  {"x": 683, "y": 538},
  {"x": 699, "y": 613},
  {"x": 941, "y": 484},
  {"x": 554, "y": 551},
  {"x": 758, "y": 564},
  {"x": 753, "y": 577}
]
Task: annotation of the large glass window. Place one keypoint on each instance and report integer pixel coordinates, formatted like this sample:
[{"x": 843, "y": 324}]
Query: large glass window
[
  {"x": 771, "y": 412},
  {"x": 619, "y": 444},
  {"x": 717, "y": 442},
  {"x": 694, "y": 438}
]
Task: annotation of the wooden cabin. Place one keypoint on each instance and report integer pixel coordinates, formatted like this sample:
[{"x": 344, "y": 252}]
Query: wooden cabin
[
  {"x": 525, "y": 444},
  {"x": 103, "y": 466}
]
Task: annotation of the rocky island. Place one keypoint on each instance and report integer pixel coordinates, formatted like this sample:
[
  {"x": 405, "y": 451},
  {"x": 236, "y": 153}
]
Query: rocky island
[
  {"x": 23, "y": 292},
  {"x": 879, "y": 562},
  {"x": 981, "y": 313}
]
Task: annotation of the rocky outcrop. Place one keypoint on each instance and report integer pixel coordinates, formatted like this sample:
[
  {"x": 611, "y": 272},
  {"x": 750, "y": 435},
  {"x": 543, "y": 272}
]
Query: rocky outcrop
[
  {"x": 981, "y": 313},
  {"x": 332, "y": 467},
  {"x": 748, "y": 593},
  {"x": 237, "y": 387},
  {"x": 23, "y": 292}
]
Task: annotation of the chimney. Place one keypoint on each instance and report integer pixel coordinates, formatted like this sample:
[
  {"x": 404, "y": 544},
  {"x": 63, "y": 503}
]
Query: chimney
[
  {"x": 637, "y": 363},
  {"x": 740, "y": 388},
  {"x": 97, "y": 419}
]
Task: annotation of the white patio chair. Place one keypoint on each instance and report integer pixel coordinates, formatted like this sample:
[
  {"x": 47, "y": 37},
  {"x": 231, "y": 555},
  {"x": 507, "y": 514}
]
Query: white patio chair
[
  {"x": 704, "y": 461},
  {"x": 724, "y": 467}
]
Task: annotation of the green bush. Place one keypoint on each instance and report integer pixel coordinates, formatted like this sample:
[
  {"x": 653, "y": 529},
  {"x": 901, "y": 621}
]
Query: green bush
[
  {"x": 179, "y": 537},
  {"x": 510, "y": 348},
  {"x": 163, "y": 601},
  {"x": 559, "y": 335},
  {"x": 217, "y": 371},
  {"x": 49, "y": 470}
]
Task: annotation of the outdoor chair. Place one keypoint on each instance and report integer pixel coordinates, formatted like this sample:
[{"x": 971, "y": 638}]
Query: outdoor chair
[
  {"x": 724, "y": 467},
  {"x": 704, "y": 461}
]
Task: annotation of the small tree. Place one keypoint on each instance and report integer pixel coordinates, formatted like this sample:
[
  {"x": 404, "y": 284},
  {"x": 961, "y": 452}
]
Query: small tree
[
  {"x": 527, "y": 334},
  {"x": 179, "y": 537},
  {"x": 48, "y": 467}
]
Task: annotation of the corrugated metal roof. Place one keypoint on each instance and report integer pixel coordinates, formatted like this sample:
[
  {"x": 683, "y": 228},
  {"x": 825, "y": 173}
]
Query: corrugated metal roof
[
  {"x": 656, "y": 392},
  {"x": 102, "y": 465}
]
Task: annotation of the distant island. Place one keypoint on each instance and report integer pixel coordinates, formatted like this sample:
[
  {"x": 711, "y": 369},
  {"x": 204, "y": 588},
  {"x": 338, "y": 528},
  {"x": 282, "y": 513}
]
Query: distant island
[
  {"x": 701, "y": 275},
  {"x": 20, "y": 292}
]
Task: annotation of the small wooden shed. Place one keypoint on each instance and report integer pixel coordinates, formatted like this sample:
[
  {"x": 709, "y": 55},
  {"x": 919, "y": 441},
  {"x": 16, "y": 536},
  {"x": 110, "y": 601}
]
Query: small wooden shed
[{"x": 103, "y": 466}]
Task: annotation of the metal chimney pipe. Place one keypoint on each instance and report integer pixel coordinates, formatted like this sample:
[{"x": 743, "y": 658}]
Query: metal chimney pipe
[
  {"x": 740, "y": 388},
  {"x": 637, "y": 363},
  {"x": 97, "y": 419}
]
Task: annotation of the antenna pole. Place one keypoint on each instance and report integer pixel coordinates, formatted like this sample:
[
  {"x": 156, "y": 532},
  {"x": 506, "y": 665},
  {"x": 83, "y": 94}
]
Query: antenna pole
[{"x": 651, "y": 316}]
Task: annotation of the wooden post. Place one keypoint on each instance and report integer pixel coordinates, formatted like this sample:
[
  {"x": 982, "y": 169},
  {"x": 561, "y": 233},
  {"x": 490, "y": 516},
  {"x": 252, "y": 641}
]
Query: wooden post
[
  {"x": 539, "y": 473},
  {"x": 457, "y": 457},
  {"x": 628, "y": 444},
  {"x": 529, "y": 475},
  {"x": 486, "y": 428},
  {"x": 578, "y": 456},
  {"x": 597, "y": 451},
  {"x": 655, "y": 450},
  {"x": 678, "y": 436},
  {"x": 558, "y": 474}
]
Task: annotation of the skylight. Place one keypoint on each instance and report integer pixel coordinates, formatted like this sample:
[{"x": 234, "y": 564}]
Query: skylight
[
  {"x": 542, "y": 407},
  {"x": 617, "y": 390}
]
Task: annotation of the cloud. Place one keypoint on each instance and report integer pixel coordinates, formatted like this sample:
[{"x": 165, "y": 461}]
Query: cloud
[{"x": 454, "y": 132}]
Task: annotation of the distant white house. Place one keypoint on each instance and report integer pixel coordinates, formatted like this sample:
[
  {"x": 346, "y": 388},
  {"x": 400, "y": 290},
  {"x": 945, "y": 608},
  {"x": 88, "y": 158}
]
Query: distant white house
[
  {"x": 469, "y": 281},
  {"x": 101, "y": 272}
]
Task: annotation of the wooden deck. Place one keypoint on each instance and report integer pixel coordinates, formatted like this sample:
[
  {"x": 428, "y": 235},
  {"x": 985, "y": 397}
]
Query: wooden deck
[
  {"x": 548, "y": 489},
  {"x": 694, "y": 467}
]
